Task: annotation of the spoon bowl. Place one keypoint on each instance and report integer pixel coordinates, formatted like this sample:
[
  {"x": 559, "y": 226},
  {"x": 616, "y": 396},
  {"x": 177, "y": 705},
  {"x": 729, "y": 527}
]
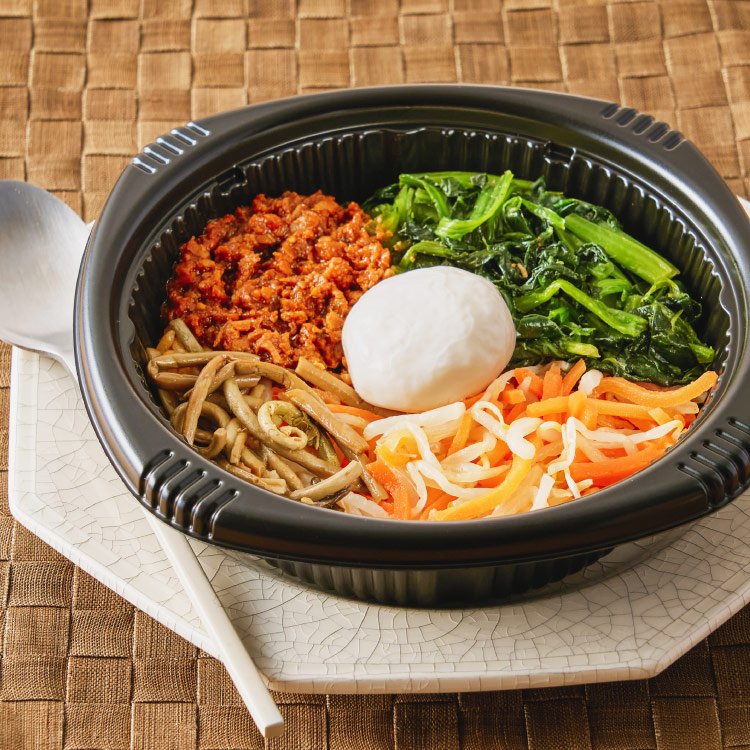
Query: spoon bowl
[{"x": 41, "y": 246}]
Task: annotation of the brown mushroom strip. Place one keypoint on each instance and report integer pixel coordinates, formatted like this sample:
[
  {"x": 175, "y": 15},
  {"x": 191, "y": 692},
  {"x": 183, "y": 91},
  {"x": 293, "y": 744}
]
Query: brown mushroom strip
[
  {"x": 340, "y": 480},
  {"x": 177, "y": 419},
  {"x": 212, "y": 411},
  {"x": 236, "y": 437},
  {"x": 185, "y": 335},
  {"x": 235, "y": 449},
  {"x": 260, "y": 393},
  {"x": 218, "y": 399},
  {"x": 251, "y": 459},
  {"x": 198, "y": 396},
  {"x": 373, "y": 486},
  {"x": 282, "y": 468},
  {"x": 279, "y": 375},
  {"x": 151, "y": 353},
  {"x": 342, "y": 432},
  {"x": 244, "y": 367},
  {"x": 235, "y": 454},
  {"x": 173, "y": 381},
  {"x": 168, "y": 399},
  {"x": 190, "y": 359},
  {"x": 166, "y": 341},
  {"x": 247, "y": 416},
  {"x": 225, "y": 372},
  {"x": 327, "y": 381},
  {"x": 267, "y": 483},
  {"x": 216, "y": 446},
  {"x": 307, "y": 461},
  {"x": 216, "y": 413}
]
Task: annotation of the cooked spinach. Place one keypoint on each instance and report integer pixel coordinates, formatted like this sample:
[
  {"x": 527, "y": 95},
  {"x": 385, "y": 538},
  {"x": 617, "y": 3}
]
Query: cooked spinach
[{"x": 576, "y": 284}]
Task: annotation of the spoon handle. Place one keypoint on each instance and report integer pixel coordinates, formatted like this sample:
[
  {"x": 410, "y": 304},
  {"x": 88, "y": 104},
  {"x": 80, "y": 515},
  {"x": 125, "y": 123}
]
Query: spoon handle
[
  {"x": 234, "y": 655},
  {"x": 212, "y": 614}
]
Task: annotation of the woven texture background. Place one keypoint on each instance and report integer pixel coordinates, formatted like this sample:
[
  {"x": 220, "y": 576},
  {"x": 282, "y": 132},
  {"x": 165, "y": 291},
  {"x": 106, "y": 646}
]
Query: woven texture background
[{"x": 83, "y": 85}]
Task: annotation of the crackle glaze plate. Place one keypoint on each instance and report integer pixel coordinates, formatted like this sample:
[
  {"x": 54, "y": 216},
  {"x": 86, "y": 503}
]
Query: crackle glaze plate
[{"x": 628, "y": 616}]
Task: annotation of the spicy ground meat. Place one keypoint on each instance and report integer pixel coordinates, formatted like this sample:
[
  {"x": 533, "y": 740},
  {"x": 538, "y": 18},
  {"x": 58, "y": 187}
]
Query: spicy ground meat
[{"x": 278, "y": 278}]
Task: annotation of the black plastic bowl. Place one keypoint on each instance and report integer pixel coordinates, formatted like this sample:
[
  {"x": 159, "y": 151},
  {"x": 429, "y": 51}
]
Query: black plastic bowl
[{"x": 348, "y": 143}]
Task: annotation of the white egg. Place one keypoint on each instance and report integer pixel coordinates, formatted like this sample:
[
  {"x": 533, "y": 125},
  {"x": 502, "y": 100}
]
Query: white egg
[{"x": 426, "y": 338}]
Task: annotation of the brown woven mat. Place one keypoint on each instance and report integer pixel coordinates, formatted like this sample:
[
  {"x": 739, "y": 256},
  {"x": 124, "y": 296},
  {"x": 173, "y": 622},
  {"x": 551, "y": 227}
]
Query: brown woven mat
[{"x": 83, "y": 84}]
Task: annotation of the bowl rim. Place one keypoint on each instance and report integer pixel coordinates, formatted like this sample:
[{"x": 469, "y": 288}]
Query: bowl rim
[{"x": 692, "y": 479}]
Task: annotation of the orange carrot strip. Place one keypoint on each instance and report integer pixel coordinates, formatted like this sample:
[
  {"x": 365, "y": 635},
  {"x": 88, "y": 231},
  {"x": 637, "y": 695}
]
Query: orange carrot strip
[
  {"x": 513, "y": 396},
  {"x": 536, "y": 386},
  {"x": 343, "y": 460},
  {"x": 370, "y": 416},
  {"x": 616, "y": 423},
  {"x": 436, "y": 500},
  {"x": 552, "y": 388},
  {"x": 440, "y": 504},
  {"x": 589, "y": 415},
  {"x": 614, "y": 469},
  {"x": 639, "y": 395},
  {"x": 547, "y": 406},
  {"x": 620, "y": 409},
  {"x": 387, "y": 506},
  {"x": 553, "y": 449},
  {"x": 498, "y": 453},
  {"x": 641, "y": 424},
  {"x": 516, "y": 412},
  {"x": 462, "y": 434},
  {"x": 573, "y": 376},
  {"x": 485, "y": 503},
  {"x": 469, "y": 402},
  {"x": 576, "y": 404},
  {"x": 381, "y": 473},
  {"x": 552, "y": 383}
]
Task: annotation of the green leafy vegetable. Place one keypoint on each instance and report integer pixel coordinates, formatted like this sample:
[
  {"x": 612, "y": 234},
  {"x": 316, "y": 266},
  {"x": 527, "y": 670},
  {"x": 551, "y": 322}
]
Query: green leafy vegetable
[{"x": 576, "y": 284}]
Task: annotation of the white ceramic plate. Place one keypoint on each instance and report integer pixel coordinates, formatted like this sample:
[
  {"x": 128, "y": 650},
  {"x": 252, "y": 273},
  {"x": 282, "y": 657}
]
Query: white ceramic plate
[{"x": 628, "y": 616}]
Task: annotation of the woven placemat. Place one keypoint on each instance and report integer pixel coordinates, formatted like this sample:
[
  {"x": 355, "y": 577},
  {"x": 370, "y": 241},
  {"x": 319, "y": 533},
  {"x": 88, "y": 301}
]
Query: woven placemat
[{"x": 84, "y": 84}]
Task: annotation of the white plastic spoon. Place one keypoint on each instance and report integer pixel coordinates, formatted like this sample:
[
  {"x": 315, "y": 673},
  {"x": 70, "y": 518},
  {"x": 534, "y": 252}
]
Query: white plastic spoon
[{"x": 41, "y": 245}]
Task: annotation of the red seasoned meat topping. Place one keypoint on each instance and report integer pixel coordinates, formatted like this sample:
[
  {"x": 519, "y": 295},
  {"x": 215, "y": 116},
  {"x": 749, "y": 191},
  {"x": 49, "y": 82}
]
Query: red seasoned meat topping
[{"x": 278, "y": 278}]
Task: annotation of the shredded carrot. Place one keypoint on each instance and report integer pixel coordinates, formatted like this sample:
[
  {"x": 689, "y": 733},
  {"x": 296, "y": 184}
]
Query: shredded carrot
[
  {"x": 343, "y": 460},
  {"x": 621, "y": 409},
  {"x": 608, "y": 472},
  {"x": 573, "y": 376},
  {"x": 552, "y": 388},
  {"x": 370, "y": 416},
  {"x": 605, "y": 420},
  {"x": 393, "y": 486},
  {"x": 513, "y": 396},
  {"x": 462, "y": 435},
  {"x": 469, "y": 402},
  {"x": 485, "y": 503},
  {"x": 639, "y": 395},
  {"x": 436, "y": 500},
  {"x": 515, "y": 412},
  {"x": 659, "y": 415},
  {"x": 618, "y": 405},
  {"x": 498, "y": 453},
  {"x": 547, "y": 406},
  {"x": 576, "y": 404},
  {"x": 536, "y": 384},
  {"x": 589, "y": 415},
  {"x": 387, "y": 506},
  {"x": 552, "y": 383},
  {"x": 549, "y": 450},
  {"x": 644, "y": 425}
]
